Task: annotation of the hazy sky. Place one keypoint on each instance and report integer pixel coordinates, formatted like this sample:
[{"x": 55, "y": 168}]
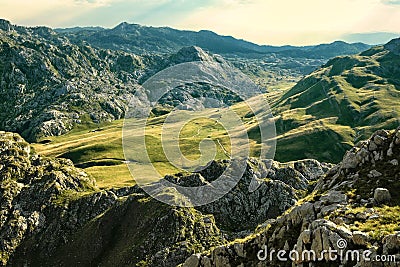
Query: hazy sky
[{"x": 276, "y": 22}]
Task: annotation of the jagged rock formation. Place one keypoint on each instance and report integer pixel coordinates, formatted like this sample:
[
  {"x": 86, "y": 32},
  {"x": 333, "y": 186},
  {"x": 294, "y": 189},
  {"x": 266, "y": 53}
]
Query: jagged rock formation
[
  {"x": 344, "y": 212},
  {"x": 278, "y": 188}
]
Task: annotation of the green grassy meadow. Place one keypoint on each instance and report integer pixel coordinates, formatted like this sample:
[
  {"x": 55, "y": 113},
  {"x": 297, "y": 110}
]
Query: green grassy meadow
[{"x": 98, "y": 148}]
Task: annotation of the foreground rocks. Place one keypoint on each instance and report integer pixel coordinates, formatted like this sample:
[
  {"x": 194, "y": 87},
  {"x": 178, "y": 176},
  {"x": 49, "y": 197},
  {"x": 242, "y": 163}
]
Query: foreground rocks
[
  {"x": 52, "y": 213},
  {"x": 337, "y": 215}
]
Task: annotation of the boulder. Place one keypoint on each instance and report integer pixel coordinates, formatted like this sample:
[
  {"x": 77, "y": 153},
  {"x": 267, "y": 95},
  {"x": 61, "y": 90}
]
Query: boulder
[
  {"x": 382, "y": 195},
  {"x": 360, "y": 238},
  {"x": 192, "y": 261}
]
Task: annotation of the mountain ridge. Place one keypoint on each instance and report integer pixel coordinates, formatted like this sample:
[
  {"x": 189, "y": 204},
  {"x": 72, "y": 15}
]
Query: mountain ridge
[
  {"x": 167, "y": 40},
  {"x": 342, "y": 102}
]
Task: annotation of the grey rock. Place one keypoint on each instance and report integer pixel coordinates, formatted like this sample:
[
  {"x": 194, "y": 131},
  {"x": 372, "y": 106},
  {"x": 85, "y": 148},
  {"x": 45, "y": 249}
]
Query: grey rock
[
  {"x": 374, "y": 174},
  {"x": 372, "y": 146},
  {"x": 382, "y": 195},
  {"x": 379, "y": 140},
  {"x": 333, "y": 197},
  {"x": 360, "y": 238},
  {"x": 192, "y": 261},
  {"x": 326, "y": 210},
  {"x": 350, "y": 160},
  {"x": 391, "y": 243}
]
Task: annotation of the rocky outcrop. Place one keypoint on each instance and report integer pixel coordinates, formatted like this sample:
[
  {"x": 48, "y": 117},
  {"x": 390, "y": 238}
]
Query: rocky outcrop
[
  {"x": 382, "y": 195},
  {"x": 5, "y": 25},
  {"x": 265, "y": 190},
  {"x": 31, "y": 187},
  {"x": 336, "y": 216}
]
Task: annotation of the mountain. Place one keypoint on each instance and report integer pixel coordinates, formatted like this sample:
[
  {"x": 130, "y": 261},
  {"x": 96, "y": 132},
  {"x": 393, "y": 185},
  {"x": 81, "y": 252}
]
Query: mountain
[
  {"x": 354, "y": 208},
  {"x": 50, "y": 85},
  {"x": 267, "y": 65},
  {"x": 143, "y": 39},
  {"x": 336, "y": 48},
  {"x": 339, "y": 104}
]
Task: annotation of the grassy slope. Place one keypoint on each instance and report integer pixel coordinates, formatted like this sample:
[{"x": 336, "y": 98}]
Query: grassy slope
[
  {"x": 338, "y": 105},
  {"x": 98, "y": 148}
]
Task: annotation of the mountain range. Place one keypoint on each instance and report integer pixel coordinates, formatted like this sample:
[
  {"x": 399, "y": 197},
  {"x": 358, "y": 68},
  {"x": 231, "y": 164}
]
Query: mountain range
[
  {"x": 140, "y": 39},
  {"x": 68, "y": 199}
]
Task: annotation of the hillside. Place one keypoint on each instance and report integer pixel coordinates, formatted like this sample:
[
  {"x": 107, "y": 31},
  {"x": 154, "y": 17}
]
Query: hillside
[{"x": 341, "y": 103}]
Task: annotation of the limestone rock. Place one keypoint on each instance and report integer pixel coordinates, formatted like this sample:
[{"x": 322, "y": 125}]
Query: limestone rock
[
  {"x": 360, "y": 238},
  {"x": 192, "y": 261},
  {"x": 382, "y": 195}
]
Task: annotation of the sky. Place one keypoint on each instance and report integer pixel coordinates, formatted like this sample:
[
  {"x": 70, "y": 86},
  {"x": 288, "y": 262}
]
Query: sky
[{"x": 273, "y": 22}]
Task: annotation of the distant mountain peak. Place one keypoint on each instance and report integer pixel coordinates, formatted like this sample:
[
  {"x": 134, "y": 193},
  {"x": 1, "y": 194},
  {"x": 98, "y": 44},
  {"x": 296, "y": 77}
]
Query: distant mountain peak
[
  {"x": 394, "y": 46},
  {"x": 124, "y": 26},
  {"x": 191, "y": 53},
  {"x": 5, "y": 25}
]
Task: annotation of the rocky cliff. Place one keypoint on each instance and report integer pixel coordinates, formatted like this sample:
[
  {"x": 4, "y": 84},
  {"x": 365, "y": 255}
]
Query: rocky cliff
[{"x": 353, "y": 207}]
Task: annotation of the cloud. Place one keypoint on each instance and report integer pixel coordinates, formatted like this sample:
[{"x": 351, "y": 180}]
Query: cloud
[
  {"x": 391, "y": 2},
  {"x": 284, "y": 21}
]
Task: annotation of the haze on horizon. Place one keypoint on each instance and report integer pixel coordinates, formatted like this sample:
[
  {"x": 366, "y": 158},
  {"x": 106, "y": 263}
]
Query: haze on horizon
[{"x": 270, "y": 22}]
